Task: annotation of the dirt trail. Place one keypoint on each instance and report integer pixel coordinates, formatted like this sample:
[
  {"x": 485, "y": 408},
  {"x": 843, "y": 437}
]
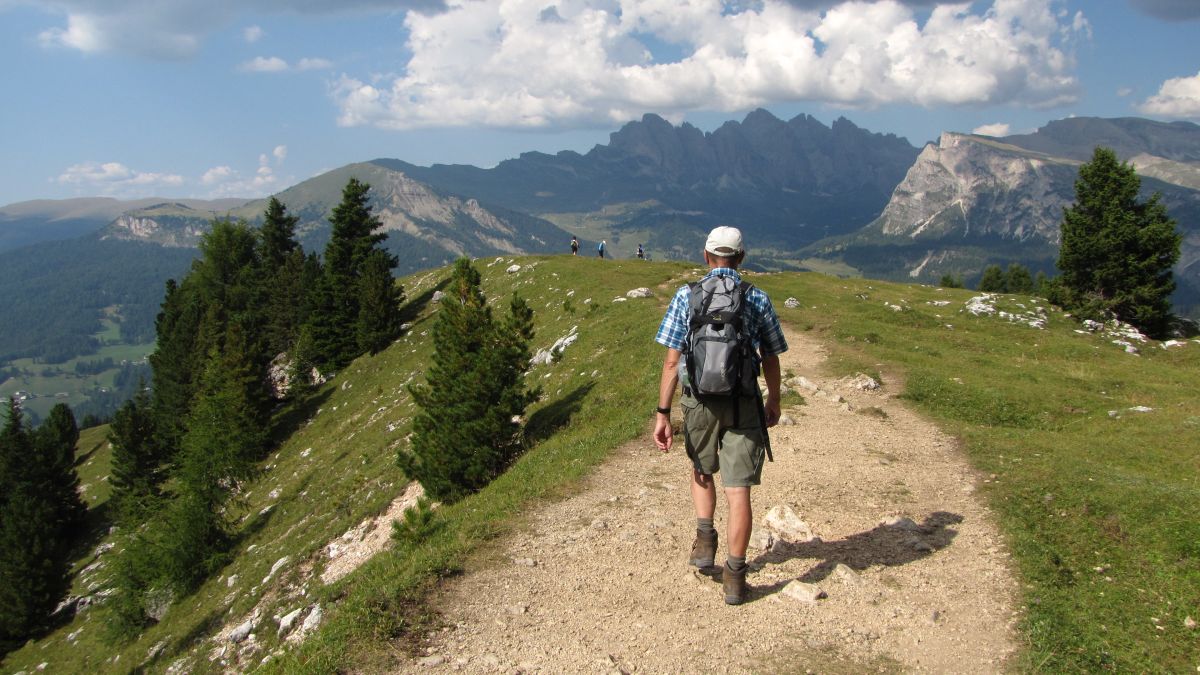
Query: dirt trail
[{"x": 600, "y": 583}]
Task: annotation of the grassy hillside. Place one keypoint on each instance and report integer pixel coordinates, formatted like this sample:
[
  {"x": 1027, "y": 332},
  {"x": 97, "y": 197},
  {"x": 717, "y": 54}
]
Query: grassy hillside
[{"x": 1099, "y": 509}]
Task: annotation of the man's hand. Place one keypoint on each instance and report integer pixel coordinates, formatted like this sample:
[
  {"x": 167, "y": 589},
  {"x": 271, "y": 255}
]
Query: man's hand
[
  {"x": 662, "y": 431},
  {"x": 773, "y": 410}
]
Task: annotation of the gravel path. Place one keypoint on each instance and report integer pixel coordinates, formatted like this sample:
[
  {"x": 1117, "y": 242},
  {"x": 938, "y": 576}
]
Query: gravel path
[{"x": 599, "y": 582}]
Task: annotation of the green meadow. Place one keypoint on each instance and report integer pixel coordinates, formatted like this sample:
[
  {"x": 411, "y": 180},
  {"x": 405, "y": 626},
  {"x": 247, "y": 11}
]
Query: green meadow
[{"x": 1099, "y": 509}]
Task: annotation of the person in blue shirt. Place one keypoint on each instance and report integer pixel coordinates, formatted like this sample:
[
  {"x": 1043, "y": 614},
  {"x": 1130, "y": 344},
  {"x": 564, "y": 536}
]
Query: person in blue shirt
[
  {"x": 600, "y": 248},
  {"x": 713, "y": 441}
]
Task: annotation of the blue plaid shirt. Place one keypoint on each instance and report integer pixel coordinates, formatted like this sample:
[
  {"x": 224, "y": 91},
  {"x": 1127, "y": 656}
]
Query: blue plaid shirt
[{"x": 763, "y": 323}]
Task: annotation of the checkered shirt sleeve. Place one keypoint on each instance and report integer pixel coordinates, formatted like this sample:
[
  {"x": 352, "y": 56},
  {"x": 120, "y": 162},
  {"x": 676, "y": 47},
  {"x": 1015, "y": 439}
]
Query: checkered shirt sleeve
[
  {"x": 768, "y": 335},
  {"x": 672, "y": 332}
]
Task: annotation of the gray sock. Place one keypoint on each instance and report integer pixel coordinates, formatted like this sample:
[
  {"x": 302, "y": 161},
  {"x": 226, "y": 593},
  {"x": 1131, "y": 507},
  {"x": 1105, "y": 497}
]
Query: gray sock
[
  {"x": 736, "y": 563},
  {"x": 704, "y": 525}
]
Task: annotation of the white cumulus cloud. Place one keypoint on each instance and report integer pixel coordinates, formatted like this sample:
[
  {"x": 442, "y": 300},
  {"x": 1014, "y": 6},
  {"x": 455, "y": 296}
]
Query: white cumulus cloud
[
  {"x": 511, "y": 63},
  {"x": 313, "y": 64},
  {"x": 274, "y": 64},
  {"x": 225, "y": 181},
  {"x": 115, "y": 178},
  {"x": 1177, "y": 97},
  {"x": 264, "y": 64},
  {"x": 217, "y": 174},
  {"x": 175, "y": 29},
  {"x": 996, "y": 130}
]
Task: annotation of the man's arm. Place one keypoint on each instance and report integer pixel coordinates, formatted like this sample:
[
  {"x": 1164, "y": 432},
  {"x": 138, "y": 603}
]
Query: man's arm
[
  {"x": 770, "y": 366},
  {"x": 666, "y": 392}
]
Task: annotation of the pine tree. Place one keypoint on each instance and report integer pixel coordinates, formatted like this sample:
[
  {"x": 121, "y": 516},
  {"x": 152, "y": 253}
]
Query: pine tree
[
  {"x": 56, "y": 439},
  {"x": 33, "y": 548},
  {"x": 224, "y": 439},
  {"x": 136, "y": 474},
  {"x": 352, "y": 241},
  {"x": 1017, "y": 279},
  {"x": 950, "y": 281},
  {"x": 281, "y": 278},
  {"x": 173, "y": 363},
  {"x": 379, "y": 304},
  {"x": 277, "y": 236},
  {"x": 285, "y": 304},
  {"x": 1117, "y": 252},
  {"x": 465, "y": 434},
  {"x": 993, "y": 280}
]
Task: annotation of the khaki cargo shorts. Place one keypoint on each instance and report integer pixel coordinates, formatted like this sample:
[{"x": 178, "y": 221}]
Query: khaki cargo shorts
[{"x": 715, "y": 445}]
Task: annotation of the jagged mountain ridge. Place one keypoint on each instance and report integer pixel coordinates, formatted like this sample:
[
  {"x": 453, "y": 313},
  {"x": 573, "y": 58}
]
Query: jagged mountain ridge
[{"x": 787, "y": 182}]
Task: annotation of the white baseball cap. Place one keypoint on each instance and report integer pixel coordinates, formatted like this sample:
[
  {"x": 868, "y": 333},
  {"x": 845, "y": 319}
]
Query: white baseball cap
[{"x": 724, "y": 241}]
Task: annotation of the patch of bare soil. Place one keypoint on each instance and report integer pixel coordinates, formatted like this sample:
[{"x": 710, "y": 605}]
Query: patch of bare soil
[{"x": 915, "y": 573}]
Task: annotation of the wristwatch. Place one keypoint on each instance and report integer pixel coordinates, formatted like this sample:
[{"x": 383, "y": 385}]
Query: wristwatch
[{"x": 663, "y": 411}]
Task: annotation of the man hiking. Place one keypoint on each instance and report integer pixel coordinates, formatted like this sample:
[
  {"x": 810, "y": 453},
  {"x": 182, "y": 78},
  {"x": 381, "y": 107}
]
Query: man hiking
[
  {"x": 725, "y": 433},
  {"x": 574, "y": 246},
  {"x": 600, "y": 248}
]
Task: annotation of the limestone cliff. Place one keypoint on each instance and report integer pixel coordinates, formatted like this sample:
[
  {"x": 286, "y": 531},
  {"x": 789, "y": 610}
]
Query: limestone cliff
[{"x": 970, "y": 186}]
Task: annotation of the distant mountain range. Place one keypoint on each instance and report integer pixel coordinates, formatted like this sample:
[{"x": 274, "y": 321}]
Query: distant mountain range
[
  {"x": 836, "y": 198},
  {"x": 970, "y": 201}
]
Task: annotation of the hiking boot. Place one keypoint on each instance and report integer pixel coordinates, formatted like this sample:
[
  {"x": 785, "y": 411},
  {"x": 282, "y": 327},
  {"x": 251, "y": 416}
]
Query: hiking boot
[
  {"x": 704, "y": 549},
  {"x": 734, "y": 585}
]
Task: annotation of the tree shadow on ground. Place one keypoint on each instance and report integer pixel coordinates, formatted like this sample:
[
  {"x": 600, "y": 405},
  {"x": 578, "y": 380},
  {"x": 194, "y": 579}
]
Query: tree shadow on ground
[
  {"x": 292, "y": 415},
  {"x": 889, "y": 545},
  {"x": 412, "y": 311},
  {"x": 81, "y": 459},
  {"x": 550, "y": 418}
]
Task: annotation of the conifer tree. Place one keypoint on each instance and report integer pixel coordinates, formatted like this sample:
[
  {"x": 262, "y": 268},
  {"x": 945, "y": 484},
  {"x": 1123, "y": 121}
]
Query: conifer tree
[
  {"x": 224, "y": 439},
  {"x": 277, "y": 236},
  {"x": 33, "y": 548},
  {"x": 1017, "y": 279},
  {"x": 379, "y": 304},
  {"x": 281, "y": 278},
  {"x": 465, "y": 434},
  {"x": 285, "y": 304},
  {"x": 1118, "y": 252},
  {"x": 55, "y": 440},
  {"x": 174, "y": 364},
  {"x": 353, "y": 238},
  {"x": 136, "y": 473},
  {"x": 992, "y": 280}
]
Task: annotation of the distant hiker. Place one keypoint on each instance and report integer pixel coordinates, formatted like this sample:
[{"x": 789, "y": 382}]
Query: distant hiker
[
  {"x": 600, "y": 248},
  {"x": 574, "y": 246},
  {"x": 722, "y": 432},
  {"x": 641, "y": 253}
]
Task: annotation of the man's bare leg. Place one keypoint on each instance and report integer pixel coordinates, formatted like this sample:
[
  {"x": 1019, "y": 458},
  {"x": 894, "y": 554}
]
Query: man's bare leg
[
  {"x": 704, "y": 494},
  {"x": 740, "y": 517}
]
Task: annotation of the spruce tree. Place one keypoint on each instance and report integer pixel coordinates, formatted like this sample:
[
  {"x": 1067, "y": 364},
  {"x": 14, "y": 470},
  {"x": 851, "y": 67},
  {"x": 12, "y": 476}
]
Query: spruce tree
[
  {"x": 993, "y": 280},
  {"x": 465, "y": 434},
  {"x": 352, "y": 241},
  {"x": 224, "y": 439},
  {"x": 1017, "y": 279},
  {"x": 56, "y": 439},
  {"x": 136, "y": 474},
  {"x": 1117, "y": 252},
  {"x": 277, "y": 236},
  {"x": 33, "y": 547},
  {"x": 281, "y": 277},
  {"x": 174, "y": 363},
  {"x": 379, "y": 304}
]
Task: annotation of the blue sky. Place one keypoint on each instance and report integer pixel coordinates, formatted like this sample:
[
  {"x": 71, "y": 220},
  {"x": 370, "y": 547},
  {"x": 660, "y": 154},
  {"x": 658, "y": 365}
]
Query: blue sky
[{"x": 214, "y": 98}]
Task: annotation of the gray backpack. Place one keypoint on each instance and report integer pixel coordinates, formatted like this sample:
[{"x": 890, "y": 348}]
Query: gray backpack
[{"x": 719, "y": 354}]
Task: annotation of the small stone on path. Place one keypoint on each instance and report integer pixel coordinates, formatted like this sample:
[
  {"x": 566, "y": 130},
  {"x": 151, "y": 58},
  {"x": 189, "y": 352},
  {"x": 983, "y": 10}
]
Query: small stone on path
[{"x": 802, "y": 592}]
